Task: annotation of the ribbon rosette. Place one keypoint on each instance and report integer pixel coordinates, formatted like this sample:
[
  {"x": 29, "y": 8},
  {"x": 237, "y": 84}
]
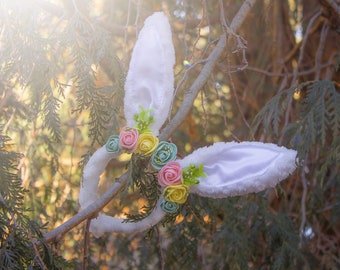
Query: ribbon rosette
[
  {"x": 177, "y": 182},
  {"x": 164, "y": 153},
  {"x": 217, "y": 171},
  {"x": 112, "y": 144},
  {"x": 128, "y": 139},
  {"x": 170, "y": 174},
  {"x": 169, "y": 207},
  {"x": 147, "y": 144}
]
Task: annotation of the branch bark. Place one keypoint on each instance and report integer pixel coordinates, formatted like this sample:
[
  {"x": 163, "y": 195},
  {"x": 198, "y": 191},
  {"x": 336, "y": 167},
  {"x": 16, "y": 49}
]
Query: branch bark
[{"x": 89, "y": 212}]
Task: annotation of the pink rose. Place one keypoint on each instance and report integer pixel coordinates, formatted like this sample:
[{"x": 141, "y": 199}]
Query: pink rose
[
  {"x": 170, "y": 174},
  {"x": 128, "y": 139}
]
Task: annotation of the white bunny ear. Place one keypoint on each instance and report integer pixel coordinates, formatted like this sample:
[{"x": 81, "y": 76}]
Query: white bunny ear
[
  {"x": 240, "y": 168},
  {"x": 150, "y": 79}
]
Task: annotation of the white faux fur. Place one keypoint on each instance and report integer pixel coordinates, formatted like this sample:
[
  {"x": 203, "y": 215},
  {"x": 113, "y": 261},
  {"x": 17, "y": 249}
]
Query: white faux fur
[
  {"x": 104, "y": 223},
  {"x": 150, "y": 79},
  {"x": 240, "y": 168},
  {"x": 91, "y": 175},
  {"x": 150, "y": 84},
  {"x": 232, "y": 169}
]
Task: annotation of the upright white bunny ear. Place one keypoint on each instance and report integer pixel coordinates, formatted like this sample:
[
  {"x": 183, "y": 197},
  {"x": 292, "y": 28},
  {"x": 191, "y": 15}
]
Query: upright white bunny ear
[
  {"x": 150, "y": 79},
  {"x": 240, "y": 168}
]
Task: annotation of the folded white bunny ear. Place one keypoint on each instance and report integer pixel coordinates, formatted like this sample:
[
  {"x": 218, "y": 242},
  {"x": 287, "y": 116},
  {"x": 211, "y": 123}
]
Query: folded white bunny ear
[
  {"x": 150, "y": 79},
  {"x": 240, "y": 168}
]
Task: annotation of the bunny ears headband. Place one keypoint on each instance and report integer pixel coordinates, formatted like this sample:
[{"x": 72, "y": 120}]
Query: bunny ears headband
[{"x": 217, "y": 171}]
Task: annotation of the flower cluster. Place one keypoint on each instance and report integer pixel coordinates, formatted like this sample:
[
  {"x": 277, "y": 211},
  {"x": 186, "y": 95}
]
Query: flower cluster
[
  {"x": 176, "y": 183},
  {"x": 138, "y": 139},
  {"x": 173, "y": 179}
]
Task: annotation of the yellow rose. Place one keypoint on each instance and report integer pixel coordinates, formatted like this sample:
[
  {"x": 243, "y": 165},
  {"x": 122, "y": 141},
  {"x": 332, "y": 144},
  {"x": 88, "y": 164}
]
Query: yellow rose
[
  {"x": 147, "y": 144},
  {"x": 176, "y": 193}
]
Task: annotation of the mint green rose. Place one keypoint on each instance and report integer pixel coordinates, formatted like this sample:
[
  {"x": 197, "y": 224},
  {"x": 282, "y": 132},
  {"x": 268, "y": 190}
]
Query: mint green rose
[
  {"x": 169, "y": 207},
  {"x": 164, "y": 153},
  {"x": 112, "y": 144}
]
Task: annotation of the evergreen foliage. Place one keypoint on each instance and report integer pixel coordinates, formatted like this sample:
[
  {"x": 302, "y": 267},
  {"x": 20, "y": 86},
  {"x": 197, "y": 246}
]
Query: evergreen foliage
[
  {"x": 19, "y": 235},
  {"x": 147, "y": 185},
  {"x": 62, "y": 71},
  {"x": 317, "y": 121}
]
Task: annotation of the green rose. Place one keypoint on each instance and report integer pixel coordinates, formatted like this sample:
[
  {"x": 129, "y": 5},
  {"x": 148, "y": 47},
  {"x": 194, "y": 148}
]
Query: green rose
[
  {"x": 169, "y": 207},
  {"x": 164, "y": 153},
  {"x": 112, "y": 144}
]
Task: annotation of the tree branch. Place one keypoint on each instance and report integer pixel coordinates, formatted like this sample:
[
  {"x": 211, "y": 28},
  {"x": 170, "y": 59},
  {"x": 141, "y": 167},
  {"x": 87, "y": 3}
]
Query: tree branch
[
  {"x": 88, "y": 212},
  {"x": 194, "y": 89},
  {"x": 336, "y": 7},
  {"x": 205, "y": 72},
  {"x": 241, "y": 14}
]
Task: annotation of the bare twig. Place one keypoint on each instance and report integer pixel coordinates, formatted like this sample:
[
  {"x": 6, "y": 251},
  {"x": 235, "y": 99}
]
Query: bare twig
[
  {"x": 241, "y": 46},
  {"x": 222, "y": 16},
  {"x": 205, "y": 72},
  {"x": 241, "y": 14},
  {"x": 86, "y": 244},
  {"x": 303, "y": 45},
  {"x": 303, "y": 199},
  {"x": 225, "y": 116},
  {"x": 296, "y": 71},
  {"x": 194, "y": 89},
  {"x": 37, "y": 254},
  {"x": 334, "y": 6},
  {"x": 321, "y": 49},
  {"x": 238, "y": 102},
  {"x": 285, "y": 74}
]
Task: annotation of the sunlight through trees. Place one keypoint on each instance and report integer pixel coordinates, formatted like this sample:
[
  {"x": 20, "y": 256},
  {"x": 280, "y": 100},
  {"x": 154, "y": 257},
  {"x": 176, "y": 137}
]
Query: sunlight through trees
[{"x": 270, "y": 73}]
